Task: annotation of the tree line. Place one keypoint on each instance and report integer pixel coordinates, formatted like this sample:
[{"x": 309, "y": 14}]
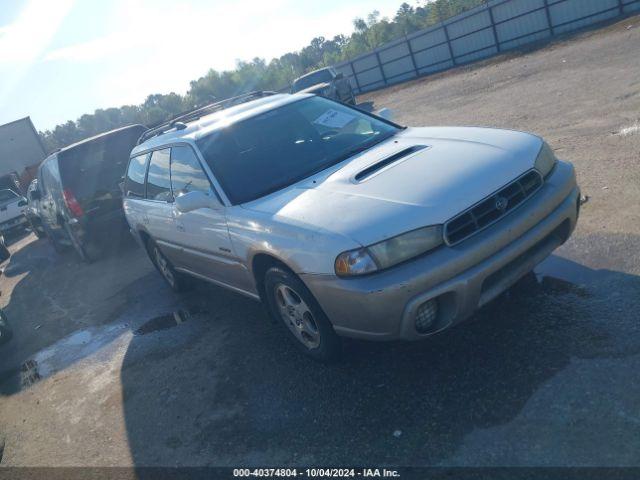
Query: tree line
[{"x": 258, "y": 74}]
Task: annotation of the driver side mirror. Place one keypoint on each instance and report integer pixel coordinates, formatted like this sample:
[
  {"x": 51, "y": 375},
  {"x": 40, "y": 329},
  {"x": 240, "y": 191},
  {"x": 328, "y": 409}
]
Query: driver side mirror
[
  {"x": 36, "y": 195},
  {"x": 23, "y": 202},
  {"x": 194, "y": 200}
]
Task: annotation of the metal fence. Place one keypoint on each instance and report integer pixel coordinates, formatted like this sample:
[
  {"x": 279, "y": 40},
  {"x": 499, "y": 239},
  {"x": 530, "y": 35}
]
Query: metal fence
[{"x": 487, "y": 30}]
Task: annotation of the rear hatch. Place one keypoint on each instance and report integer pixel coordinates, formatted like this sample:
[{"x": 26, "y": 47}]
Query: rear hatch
[{"x": 91, "y": 173}]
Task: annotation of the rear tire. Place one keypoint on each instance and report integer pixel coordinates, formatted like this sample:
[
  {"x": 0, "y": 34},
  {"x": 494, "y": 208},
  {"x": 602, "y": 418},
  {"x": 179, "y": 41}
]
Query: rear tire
[
  {"x": 299, "y": 314},
  {"x": 57, "y": 246},
  {"x": 5, "y": 331},
  {"x": 86, "y": 252},
  {"x": 4, "y": 251},
  {"x": 177, "y": 281},
  {"x": 38, "y": 232}
]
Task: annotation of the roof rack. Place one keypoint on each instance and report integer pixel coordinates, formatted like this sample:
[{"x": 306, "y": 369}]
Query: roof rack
[{"x": 179, "y": 122}]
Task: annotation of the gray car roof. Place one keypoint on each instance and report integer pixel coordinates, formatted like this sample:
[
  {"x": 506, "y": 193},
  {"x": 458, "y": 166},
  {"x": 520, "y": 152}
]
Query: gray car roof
[{"x": 215, "y": 121}]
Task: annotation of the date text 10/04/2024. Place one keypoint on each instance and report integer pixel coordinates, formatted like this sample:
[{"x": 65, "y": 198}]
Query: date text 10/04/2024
[{"x": 317, "y": 472}]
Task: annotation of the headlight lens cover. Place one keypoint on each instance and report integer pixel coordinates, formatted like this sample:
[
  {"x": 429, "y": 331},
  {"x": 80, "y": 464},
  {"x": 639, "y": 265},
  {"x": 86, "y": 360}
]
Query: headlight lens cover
[
  {"x": 389, "y": 252},
  {"x": 546, "y": 160},
  {"x": 355, "y": 262}
]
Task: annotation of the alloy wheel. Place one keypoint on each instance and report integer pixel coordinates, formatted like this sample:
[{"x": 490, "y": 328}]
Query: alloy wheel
[
  {"x": 297, "y": 316},
  {"x": 163, "y": 266}
]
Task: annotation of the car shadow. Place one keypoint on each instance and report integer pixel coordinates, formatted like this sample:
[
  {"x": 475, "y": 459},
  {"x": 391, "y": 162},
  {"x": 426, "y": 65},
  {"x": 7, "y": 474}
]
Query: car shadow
[
  {"x": 226, "y": 387},
  {"x": 53, "y": 295},
  {"x": 207, "y": 379},
  {"x": 12, "y": 238}
]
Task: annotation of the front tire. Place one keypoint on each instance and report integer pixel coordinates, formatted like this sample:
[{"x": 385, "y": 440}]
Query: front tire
[{"x": 297, "y": 311}]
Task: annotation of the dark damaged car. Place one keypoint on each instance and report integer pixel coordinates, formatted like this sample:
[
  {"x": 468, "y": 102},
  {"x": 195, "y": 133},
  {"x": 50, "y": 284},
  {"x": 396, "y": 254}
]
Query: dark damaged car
[{"x": 326, "y": 82}]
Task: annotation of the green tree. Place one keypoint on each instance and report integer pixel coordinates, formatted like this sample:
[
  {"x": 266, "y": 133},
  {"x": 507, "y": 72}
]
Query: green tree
[{"x": 368, "y": 33}]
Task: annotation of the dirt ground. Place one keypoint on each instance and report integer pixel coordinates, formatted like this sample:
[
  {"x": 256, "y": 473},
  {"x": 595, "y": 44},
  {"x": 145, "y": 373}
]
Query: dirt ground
[{"x": 109, "y": 367}]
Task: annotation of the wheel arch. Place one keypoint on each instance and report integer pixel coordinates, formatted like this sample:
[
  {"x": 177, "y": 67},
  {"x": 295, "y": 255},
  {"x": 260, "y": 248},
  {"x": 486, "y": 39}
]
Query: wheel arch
[
  {"x": 142, "y": 236},
  {"x": 260, "y": 263}
]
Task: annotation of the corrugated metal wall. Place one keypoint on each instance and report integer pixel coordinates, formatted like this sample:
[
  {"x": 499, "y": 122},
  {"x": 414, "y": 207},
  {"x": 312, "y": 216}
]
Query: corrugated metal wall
[{"x": 498, "y": 26}]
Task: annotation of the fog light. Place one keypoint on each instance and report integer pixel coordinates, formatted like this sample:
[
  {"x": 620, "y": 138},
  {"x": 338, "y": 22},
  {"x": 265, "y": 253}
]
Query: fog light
[{"x": 426, "y": 316}]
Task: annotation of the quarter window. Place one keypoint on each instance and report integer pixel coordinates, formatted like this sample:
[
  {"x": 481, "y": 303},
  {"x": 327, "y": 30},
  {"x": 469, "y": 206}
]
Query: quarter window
[
  {"x": 158, "y": 179},
  {"x": 134, "y": 183},
  {"x": 186, "y": 172}
]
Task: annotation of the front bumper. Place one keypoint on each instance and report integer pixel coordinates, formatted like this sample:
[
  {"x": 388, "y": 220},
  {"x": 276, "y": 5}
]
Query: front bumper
[
  {"x": 20, "y": 221},
  {"x": 464, "y": 277}
]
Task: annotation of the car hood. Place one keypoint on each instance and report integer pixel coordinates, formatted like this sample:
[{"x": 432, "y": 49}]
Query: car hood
[{"x": 457, "y": 168}]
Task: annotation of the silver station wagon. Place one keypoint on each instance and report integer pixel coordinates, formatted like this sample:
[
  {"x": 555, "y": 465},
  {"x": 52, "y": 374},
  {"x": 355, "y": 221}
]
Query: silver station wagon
[{"x": 342, "y": 222}]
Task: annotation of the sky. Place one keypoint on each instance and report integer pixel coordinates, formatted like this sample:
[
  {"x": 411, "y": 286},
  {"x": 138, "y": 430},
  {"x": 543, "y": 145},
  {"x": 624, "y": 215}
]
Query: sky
[{"x": 60, "y": 59}]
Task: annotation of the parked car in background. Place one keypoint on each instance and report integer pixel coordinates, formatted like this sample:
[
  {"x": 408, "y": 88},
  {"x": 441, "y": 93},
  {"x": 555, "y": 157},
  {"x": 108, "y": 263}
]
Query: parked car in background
[
  {"x": 79, "y": 191},
  {"x": 32, "y": 212},
  {"x": 12, "y": 211},
  {"x": 326, "y": 82},
  {"x": 344, "y": 223},
  {"x": 11, "y": 181}
]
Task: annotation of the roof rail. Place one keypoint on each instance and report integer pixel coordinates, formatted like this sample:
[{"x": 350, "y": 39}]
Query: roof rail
[{"x": 179, "y": 122}]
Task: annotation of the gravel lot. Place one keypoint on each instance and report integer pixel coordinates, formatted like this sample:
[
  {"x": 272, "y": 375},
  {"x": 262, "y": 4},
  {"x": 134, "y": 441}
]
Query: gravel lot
[{"x": 124, "y": 372}]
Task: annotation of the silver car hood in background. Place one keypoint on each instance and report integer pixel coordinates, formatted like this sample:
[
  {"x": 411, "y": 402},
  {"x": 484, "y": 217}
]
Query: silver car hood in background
[{"x": 459, "y": 167}]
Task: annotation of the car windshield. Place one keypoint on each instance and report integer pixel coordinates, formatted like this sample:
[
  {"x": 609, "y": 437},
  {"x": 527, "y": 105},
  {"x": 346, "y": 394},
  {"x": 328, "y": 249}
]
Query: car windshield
[
  {"x": 312, "y": 79},
  {"x": 266, "y": 153},
  {"x": 7, "y": 195}
]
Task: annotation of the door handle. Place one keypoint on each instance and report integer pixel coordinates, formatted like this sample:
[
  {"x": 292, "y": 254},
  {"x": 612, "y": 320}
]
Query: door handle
[{"x": 180, "y": 227}]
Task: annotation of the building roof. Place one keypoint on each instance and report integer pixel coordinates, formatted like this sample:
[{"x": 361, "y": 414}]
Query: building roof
[{"x": 20, "y": 146}]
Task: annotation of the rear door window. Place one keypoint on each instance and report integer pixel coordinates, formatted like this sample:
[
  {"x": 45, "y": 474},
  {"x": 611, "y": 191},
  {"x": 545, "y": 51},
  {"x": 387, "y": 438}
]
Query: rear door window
[
  {"x": 158, "y": 177},
  {"x": 134, "y": 181},
  {"x": 186, "y": 173}
]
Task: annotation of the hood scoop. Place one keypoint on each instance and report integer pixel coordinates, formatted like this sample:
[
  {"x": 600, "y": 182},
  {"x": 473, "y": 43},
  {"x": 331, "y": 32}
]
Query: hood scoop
[{"x": 377, "y": 167}]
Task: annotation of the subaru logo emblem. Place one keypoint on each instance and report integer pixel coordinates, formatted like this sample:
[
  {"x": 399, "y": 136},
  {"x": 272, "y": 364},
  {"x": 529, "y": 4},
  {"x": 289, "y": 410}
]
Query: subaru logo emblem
[{"x": 501, "y": 203}]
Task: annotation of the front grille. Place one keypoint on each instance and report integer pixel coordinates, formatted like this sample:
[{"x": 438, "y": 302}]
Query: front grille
[{"x": 492, "y": 208}]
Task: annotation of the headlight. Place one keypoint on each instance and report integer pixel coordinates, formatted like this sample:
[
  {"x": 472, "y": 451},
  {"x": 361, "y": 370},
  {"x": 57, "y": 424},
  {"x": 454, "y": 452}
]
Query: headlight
[
  {"x": 546, "y": 160},
  {"x": 389, "y": 252},
  {"x": 355, "y": 262}
]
